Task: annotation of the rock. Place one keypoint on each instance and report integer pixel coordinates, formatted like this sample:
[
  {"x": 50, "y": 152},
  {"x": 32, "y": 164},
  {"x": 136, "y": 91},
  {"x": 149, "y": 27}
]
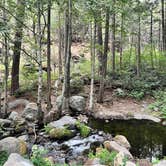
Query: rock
[
  {"x": 129, "y": 163},
  {"x": 23, "y": 138},
  {"x": 147, "y": 117},
  {"x": 5, "y": 123},
  {"x": 161, "y": 163},
  {"x": 122, "y": 140},
  {"x": 51, "y": 116},
  {"x": 30, "y": 112},
  {"x": 119, "y": 159},
  {"x": 18, "y": 103},
  {"x": 77, "y": 103},
  {"x": 14, "y": 116},
  {"x": 94, "y": 162},
  {"x": 59, "y": 102},
  {"x": 17, "y": 160},
  {"x": 64, "y": 121},
  {"x": 113, "y": 146},
  {"x": 60, "y": 133},
  {"x": 144, "y": 162},
  {"x": 13, "y": 145}
]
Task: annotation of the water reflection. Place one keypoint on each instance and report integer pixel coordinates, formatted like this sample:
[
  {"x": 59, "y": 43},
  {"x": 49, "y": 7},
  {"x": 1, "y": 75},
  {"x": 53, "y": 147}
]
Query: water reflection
[{"x": 147, "y": 139}]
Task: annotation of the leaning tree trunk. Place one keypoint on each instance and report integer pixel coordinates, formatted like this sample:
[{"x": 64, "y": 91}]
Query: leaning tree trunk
[
  {"x": 68, "y": 41},
  {"x": 49, "y": 56},
  {"x": 17, "y": 45}
]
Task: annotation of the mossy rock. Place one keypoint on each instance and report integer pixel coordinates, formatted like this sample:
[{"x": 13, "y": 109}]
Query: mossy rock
[{"x": 60, "y": 133}]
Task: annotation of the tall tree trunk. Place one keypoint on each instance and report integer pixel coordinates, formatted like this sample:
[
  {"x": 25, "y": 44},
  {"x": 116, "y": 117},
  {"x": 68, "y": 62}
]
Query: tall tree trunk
[
  {"x": 17, "y": 46},
  {"x": 39, "y": 57},
  {"x": 5, "y": 54},
  {"x": 60, "y": 45},
  {"x": 100, "y": 42},
  {"x": 139, "y": 47},
  {"x": 151, "y": 37},
  {"x": 163, "y": 27},
  {"x": 113, "y": 38},
  {"x": 93, "y": 42},
  {"x": 107, "y": 23},
  {"x": 68, "y": 42},
  {"x": 121, "y": 36},
  {"x": 49, "y": 55}
]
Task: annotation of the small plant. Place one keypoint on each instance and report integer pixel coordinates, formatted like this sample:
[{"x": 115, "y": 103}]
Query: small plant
[
  {"x": 37, "y": 157},
  {"x": 47, "y": 128},
  {"x": 105, "y": 156},
  {"x": 84, "y": 130},
  {"x": 3, "y": 157}
]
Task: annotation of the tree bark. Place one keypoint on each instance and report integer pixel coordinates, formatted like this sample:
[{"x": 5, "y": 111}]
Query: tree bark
[
  {"x": 107, "y": 23},
  {"x": 17, "y": 46},
  {"x": 49, "y": 56},
  {"x": 151, "y": 37},
  {"x": 139, "y": 47},
  {"x": 113, "y": 38},
  {"x": 121, "y": 36},
  {"x": 68, "y": 42},
  {"x": 93, "y": 42}
]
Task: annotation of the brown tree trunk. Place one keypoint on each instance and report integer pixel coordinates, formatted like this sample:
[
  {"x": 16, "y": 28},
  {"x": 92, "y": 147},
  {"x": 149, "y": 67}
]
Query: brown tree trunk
[
  {"x": 107, "y": 21},
  {"x": 139, "y": 47},
  {"x": 17, "y": 46},
  {"x": 121, "y": 36},
  {"x": 68, "y": 42},
  {"x": 151, "y": 37},
  {"x": 113, "y": 38},
  {"x": 49, "y": 56}
]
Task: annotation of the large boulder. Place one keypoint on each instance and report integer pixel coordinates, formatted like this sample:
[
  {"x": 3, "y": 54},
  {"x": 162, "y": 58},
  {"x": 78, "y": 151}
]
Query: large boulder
[
  {"x": 77, "y": 103},
  {"x": 64, "y": 121},
  {"x": 14, "y": 116},
  {"x": 17, "y": 160},
  {"x": 4, "y": 123},
  {"x": 13, "y": 145},
  {"x": 30, "y": 112},
  {"x": 122, "y": 140},
  {"x": 114, "y": 146}
]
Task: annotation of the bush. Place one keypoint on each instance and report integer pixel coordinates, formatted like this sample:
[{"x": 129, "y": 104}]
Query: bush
[
  {"x": 105, "y": 156},
  {"x": 3, "y": 157},
  {"x": 84, "y": 130}
]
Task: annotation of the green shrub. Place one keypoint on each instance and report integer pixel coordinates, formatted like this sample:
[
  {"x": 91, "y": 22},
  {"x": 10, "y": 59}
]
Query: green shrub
[
  {"x": 105, "y": 156},
  {"x": 160, "y": 103},
  {"x": 3, "y": 157},
  {"x": 84, "y": 130}
]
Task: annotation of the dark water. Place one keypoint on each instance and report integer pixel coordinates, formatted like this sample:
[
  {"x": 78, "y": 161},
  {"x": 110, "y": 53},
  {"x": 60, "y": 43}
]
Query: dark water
[{"x": 147, "y": 139}]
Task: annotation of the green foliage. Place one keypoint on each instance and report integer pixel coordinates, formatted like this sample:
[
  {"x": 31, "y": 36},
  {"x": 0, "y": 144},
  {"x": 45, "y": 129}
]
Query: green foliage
[
  {"x": 47, "y": 128},
  {"x": 3, "y": 157},
  {"x": 37, "y": 156},
  {"x": 105, "y": 156},
  {"x": 160, "y": 104},
  {"x": 84, "y": 130}
]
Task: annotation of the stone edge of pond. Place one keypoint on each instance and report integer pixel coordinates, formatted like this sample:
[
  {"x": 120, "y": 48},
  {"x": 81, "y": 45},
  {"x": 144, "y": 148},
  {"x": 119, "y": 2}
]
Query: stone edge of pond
[{"x": 120, "y": 116}]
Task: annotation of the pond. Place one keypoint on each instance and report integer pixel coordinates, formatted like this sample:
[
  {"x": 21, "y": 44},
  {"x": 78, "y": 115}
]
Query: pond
[{"x": 147, "y": 139}]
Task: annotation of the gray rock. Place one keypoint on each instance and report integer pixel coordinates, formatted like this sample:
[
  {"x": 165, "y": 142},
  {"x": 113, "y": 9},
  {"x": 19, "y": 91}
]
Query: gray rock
[
  {"x": 14, "y": 116},
  {"x": 59, "y": 102},
  {"x": 94, "y": 162},
  {"x": 129, "y": 163},
  {"x": 122, "y": 140},
  {"x": 113, "y": 146},
  {"x": 64, "y": 121},
  {"x": 5, "y": 123},
  {"x": 77, "y": 103},
  {"x": 17, "y": 160},
  {"x": 30, "y": 112},
  {"x": 13, "y": 145},
  {"x": 161, "y": 163},
  {"x": 16, "y": 103}
]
